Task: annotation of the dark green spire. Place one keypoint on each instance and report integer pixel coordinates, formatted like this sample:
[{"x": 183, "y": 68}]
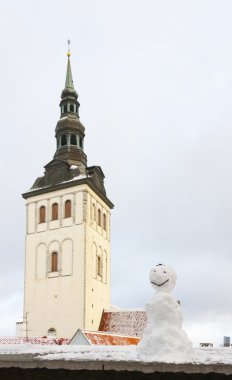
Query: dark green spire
[
  {"x": 70, "y": 132},
  {"x": 69, "y": 90},
  {"x": 69, "y": 79}
]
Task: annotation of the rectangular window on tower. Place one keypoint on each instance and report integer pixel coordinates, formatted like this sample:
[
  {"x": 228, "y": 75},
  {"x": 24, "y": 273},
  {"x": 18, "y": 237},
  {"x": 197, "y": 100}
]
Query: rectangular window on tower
[
  {"x": 104, "y": 221},
  {"x": 68, "y": 209},
  {"x": 55, "y": 211},
  {"x": 54, "y": 262},
  {"x": 99, "y": 217},
  {"x": 42, "y": 214},
  {"x": 99, "y": 266}
]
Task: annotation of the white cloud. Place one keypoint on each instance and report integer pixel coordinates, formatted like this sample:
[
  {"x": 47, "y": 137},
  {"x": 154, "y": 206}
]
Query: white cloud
[
  {"x": 10, "y": 313},
  {"x": 210, "y": 328},
  {"x": 155, "y": 83}
]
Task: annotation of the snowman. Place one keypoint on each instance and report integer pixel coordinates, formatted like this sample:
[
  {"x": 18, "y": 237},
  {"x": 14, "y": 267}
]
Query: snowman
[{"x": 163, "y": 338}]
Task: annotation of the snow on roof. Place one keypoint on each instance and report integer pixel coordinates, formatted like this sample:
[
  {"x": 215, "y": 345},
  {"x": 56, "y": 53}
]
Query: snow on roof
[
  {"x": 24, "y": 340},
  {"x": 125, "y": 309},
  {"x": 77, "y": 353},
  {"x": 80, "y": 176},
  {"x": 111, "y": 339},
  {"x": 124, "y": 322}
]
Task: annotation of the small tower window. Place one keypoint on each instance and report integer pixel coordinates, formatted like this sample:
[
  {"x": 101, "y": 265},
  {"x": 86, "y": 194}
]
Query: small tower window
[
  {"x": 63, "y": 140},
  {"x": 73, "y": 140},
  {"x": 81, "y": 143},
  {"x": 104, "y": 221},
  {"x": 65, "y": 108},
  {"x": 52, "y": 333},
  {"x": 99, "y": 217},
  {"x": 99, "y": 266},
  {"x": 42, "y": 214},
  {"x": 94, "y": 212},
  {"x": 55, "y": 211},
  {"x": 54, "y": 262},
  {"x": 68, "y": 209},
  {"x": 71, "y": 108}
]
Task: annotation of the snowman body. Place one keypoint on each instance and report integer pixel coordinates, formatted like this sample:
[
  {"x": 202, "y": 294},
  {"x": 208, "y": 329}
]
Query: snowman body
[{"x": 163, "y": 338}]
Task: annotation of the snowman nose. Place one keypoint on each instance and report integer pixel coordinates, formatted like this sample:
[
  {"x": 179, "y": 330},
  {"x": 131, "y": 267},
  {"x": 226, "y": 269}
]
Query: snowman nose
[{"x": 159, "y": 276}]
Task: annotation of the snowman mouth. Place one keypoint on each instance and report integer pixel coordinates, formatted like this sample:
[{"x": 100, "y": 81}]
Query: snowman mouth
[{"x": 160, "y": 284}]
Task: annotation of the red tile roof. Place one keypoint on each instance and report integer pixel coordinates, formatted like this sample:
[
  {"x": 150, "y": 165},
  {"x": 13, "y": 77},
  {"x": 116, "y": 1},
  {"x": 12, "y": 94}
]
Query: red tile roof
[
  {"x": 44, "y": 340},
  {"x": 101, "y": 338},
  {"x": 124, "y": 322}
]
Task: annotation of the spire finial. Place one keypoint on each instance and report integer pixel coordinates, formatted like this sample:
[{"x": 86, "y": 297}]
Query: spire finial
[{"x": 68, "y": 53}]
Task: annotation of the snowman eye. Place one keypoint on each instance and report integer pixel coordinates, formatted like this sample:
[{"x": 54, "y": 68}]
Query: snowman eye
[{"x": 164, "y": 271}]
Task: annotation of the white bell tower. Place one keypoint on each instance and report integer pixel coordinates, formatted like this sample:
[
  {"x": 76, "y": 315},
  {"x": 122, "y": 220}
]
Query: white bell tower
[{"x": 67, "y": 264}]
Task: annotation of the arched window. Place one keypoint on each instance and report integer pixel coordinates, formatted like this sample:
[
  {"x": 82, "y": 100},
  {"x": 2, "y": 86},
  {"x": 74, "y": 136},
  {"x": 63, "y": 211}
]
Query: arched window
[
  {"x": 71, "y": 108},
  {"x": 65, "y": 108},
  {"x": 52, "y": 333},
  {"x": 73, "y": 140},
  {"x": 68, "y": 209},
  {"x": 104, "y": 221},
  {"x": 54, "y": 262},
  {"x": 99, "y": 266},
  {"x": 63, "y": 140},
  {"x": 55, "y": 211},
  {"x": 94, "y": 212},
  {"x": 99, "y": 217},
  {"x": 42, "y": 214}
]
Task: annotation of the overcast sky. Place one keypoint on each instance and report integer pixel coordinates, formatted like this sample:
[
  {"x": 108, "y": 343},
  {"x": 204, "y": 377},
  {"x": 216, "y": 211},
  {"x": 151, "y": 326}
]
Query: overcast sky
[{"x": 154, "y": 79}]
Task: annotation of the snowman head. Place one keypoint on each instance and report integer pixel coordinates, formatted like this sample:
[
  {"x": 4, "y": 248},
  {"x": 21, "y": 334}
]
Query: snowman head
[{"x": 162, "y": 278}]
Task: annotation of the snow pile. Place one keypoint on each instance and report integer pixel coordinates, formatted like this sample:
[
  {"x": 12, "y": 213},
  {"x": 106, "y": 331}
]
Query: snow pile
[
  {"x": 164, "y": 338},
  {"x": 71, "y": 352}
]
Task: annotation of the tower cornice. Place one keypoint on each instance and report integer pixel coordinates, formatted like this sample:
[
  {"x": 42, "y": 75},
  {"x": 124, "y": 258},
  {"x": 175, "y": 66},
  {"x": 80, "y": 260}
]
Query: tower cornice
[{"x": 64, "y": 185}]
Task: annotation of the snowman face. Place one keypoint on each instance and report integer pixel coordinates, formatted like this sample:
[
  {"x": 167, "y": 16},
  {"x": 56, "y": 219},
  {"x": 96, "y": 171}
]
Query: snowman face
[{"x": 162, "y": 278}]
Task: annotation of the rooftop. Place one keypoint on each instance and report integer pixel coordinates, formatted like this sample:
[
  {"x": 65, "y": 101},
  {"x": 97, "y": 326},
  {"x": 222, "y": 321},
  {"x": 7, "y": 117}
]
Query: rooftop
[
  {"x": 119, "y": 358},
  {"x": 104, "y": 338},
  {"x": 10, "y": 340},
  {"x": 124, "y": 322}
]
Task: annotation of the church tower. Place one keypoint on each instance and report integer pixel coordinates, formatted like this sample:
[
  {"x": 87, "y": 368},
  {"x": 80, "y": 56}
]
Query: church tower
[{"x": 67, "y": 264}]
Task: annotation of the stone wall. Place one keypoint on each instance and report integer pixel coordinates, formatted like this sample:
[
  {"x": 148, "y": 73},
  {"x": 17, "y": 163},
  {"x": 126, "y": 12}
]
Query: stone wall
[{"x": 63, "y": 374}]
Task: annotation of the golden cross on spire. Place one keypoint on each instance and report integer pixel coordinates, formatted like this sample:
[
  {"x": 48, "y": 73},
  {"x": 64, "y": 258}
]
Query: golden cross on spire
[{"x": 68, "y": 53}]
